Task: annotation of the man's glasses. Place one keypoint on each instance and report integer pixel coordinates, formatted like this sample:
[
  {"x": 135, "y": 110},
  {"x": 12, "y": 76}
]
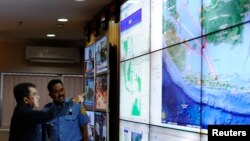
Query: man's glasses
[{"x": 34, "y": 94}]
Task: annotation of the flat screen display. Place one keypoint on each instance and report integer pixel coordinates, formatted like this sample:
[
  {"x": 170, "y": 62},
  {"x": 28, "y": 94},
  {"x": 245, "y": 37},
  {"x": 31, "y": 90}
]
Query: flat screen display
[
  {"x": 180, "y": 20},
  {"x": 89, "y": 93},
  {"x": 101, "y": 92},
  {"x": 156, "y": 25},
  {"x": 226, "y": 77},
  {"x": 218, "y": 15},
  {"x": 176, "y": 86},
  {"x": 134, "y": 89},
  {"x": 101, "y": 54},
  {"x": 131, "y": 131},
  {"x": 134, "y": 28},
  {"x": 89, "y": 59},
  {"x": 91, "y": 125},
  {"x": 168, "y": 134},
  {"x": 101, "y": 130}
]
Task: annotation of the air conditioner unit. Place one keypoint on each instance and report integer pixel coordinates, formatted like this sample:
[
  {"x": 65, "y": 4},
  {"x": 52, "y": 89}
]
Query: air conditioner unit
[{"x": 52, "y": 54}]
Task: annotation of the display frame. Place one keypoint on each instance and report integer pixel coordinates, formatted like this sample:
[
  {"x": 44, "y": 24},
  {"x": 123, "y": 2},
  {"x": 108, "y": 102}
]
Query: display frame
[
  {"x": 225, "y": 83},
  {"x": 134, "y": 21},
  {"x": 89, "y": 101},
  {"x": 138, "y": 105},
  {"x": 133, "y": 131},
  {"x": 91, "y": 125},
  {"x": 87, "y": 50},
  {"x": 102, "y": 55},
  {"x": 97, "y": 99},
  {"x": 100, "y": 117}
]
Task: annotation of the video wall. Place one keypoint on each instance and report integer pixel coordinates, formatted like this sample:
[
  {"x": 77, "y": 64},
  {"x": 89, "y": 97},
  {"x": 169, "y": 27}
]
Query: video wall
[
  {"x": 184, "y": 66},
  {"x": 96, "y": 88}
]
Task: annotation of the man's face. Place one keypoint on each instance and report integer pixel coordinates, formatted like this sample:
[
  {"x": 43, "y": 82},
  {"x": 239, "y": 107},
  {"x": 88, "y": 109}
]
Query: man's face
[
  {"x": 33, "y": 98},
  {"x": 58, "y": 93}
]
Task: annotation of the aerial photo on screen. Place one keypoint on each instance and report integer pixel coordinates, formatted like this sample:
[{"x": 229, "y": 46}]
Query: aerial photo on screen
[
  {"x": 220, "y": 14},
  {"x": 205, "y": 80},
  {"x": 226, "y": 77},
  {"x": 220, "y": 93},
  {"x": 181, "y": 20},
  {"x": 181, "y": 84}
]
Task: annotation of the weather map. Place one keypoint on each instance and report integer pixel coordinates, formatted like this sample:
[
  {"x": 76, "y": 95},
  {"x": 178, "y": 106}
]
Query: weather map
[{"x": 134, "y": 89}]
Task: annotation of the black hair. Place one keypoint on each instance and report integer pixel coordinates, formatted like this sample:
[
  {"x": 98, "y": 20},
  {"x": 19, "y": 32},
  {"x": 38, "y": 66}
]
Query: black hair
[
  {"x": 52, "y": 83},
  {"x": 21, "y": 90}
]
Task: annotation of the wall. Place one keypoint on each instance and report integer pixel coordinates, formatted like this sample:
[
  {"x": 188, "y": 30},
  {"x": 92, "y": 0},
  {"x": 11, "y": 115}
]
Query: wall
[
  {"x": 12, "y": 59},
  {"x": 4, "y": 135}
]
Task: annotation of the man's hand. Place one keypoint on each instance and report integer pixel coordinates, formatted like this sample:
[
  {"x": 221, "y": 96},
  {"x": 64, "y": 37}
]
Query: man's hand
[{"x": 79, "y": 98}]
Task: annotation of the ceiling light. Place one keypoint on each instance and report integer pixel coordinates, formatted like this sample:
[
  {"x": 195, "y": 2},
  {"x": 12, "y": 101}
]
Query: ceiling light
[
  {"x": 103, "y": 19},
  {"x": 50, "y": 35},
  {"x": 79, "y": 0},
  {"x": 62, "y": 20}
]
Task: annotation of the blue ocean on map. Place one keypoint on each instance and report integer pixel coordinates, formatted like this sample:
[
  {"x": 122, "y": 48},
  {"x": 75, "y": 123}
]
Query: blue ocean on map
[{"x": 190, "y": 105}]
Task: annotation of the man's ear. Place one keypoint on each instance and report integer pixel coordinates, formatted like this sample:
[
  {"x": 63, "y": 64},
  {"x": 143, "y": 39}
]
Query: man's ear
[
  {"x": 25, "y": 100},
  {"x": 50, "y": 95}
]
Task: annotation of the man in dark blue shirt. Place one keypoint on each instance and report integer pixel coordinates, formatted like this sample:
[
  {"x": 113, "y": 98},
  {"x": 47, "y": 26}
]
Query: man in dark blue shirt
[{"x": 26, "y": 122}]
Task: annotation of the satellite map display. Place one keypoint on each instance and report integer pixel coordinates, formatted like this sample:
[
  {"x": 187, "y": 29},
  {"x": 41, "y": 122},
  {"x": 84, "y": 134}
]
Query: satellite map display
[{"x": 206, "y": 80}]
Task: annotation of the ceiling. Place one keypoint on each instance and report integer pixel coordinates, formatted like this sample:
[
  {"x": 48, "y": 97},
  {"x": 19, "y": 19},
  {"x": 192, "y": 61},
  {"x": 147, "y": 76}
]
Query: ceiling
[{"x": 33, "y": 19}]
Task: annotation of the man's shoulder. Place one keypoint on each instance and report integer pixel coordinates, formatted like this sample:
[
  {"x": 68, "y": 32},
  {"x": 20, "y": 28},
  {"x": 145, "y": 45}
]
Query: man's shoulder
[
  {"x": 48, "y": 105},
  {"x": 77, "y": 105}
]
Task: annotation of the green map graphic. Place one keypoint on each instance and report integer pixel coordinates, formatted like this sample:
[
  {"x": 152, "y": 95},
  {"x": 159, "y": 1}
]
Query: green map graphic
[{"x": 133, "y": 86}]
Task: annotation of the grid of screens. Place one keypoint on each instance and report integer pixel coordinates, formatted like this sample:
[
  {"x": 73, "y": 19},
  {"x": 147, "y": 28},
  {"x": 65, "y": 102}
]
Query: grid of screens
[
  {"x": 97, "y": 75},
  {"x": 96, "y": 89},
  {"x": 198, "y": 60}
]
